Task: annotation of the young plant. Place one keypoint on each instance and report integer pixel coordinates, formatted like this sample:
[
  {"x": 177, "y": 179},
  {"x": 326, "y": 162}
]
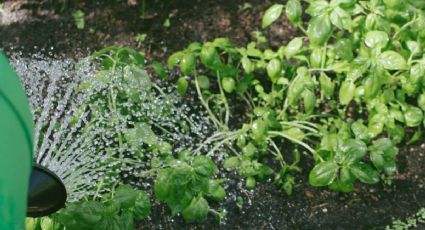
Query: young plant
[
  {"x": 118, "y": 210},
  {"x": 186, "y": 183}
]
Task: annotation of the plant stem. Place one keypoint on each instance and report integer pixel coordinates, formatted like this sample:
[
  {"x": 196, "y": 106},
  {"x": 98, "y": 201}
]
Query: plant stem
[
  {"x": 226, "y": 105},
  {"x": 213, "y": 118}
]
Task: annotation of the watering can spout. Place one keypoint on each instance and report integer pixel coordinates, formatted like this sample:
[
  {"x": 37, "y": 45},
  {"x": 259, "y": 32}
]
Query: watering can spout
[{"x": 47, "y": 193}]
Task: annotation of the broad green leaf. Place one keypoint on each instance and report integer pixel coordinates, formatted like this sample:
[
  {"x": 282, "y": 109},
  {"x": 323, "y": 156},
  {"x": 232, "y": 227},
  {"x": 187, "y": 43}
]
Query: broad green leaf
[
  {"x": 231, "y": 162},
  {"x": 293, "y": 11},
  {"x": 354, "y": 150},
  {"x": 216, "y": 191},
  {"x": 47, "y": 224},
  {"x": 365, "y": 173},
  {"x": 197, "y": 210},
  {"x": 341, "y": 19},
  {"x": 247, "y": 65},
  {"x": 294, "y": 133},
  {"x": 421, "y": 101},
  {"x": 274, "y": 69},
  {"x": 319, "y": 30},
  {"x": 159, "y": 69},
  {"x": 392, "y": 60},
  {"x": 174, "y": 59},
  {"x": 327, "y": 86},
  {"x": 272, "y": 14},
  {"x": 372, "y": 86},
  {"x": 204, "y": 82},
  {"x": 323, "y": 173},
  {"x": 317, "y": 7},
  {"x": 344, "y": 49},
  {"x": 187, "y": 63},
  {"x": 297, "y": 86},
  {"x": 413, "y": 116},
  {"x": 126, "y": 196},
  {"x": 293, "y": 47},
  {"x": 209, "y": 56},
  {"x": 141, "y": 133},
  {"x": 360, "y": 131},
  {"x": 346, "y": 92},
  {"x": 316, "y": 57},
  {"x": 204, "y": 166},
  {"x": 309, "y": 101},
  {"x": 142, "y": 206},
  {"x": 376, "y": 39},
  {"x": 376, "y": 125},
  {"x": 383, "y": 155},
  {"x": 182, "y": 85}
]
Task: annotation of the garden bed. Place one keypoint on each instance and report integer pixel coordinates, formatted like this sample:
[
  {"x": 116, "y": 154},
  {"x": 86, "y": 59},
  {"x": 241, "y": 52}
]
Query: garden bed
[{"x": 41, "y": 26}]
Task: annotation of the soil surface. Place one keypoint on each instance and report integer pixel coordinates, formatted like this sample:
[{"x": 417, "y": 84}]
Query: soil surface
[{"x": 48, "y": 26}]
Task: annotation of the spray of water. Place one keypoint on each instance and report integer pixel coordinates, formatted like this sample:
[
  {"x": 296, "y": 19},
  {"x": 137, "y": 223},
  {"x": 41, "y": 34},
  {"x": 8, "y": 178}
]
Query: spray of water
[{"x": 80, "y": 124}]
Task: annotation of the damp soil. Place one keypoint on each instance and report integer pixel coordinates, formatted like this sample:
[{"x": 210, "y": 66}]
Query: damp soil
[{"x": 48, "y": 26}]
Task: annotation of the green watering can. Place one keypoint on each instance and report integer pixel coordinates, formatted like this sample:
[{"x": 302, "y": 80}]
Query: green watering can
[{"x": 23, "y": 191}]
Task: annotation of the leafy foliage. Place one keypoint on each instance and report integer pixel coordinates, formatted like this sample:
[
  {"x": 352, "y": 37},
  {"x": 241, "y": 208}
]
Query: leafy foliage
[
  {"x": 116, "y": 211},
  {"x": 366, "y": 55},
  {"x": 184, "y": 183}
]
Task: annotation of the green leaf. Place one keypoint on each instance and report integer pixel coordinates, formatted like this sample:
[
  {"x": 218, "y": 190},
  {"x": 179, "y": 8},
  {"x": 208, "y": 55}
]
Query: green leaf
[
  {"x": 182, "y": 85},
  {"x": 354, "y": 150},
  {"x": 229, "y": 84},
  {"x": 247, "y": 65},
  {"x": 341, "y": 19},
  {"x": 293, "y": 47},
  {"x": 297, "y": 86},
  {"x": 126, "y": 196},
  {"x": 309, "y": 101},
  {"x": 272, "y": 14},
  {"x": 376, "y": 39},
  {"x": 344, "y": 49},
  {"x": 293, "y": 11},
  {"x": 47, "y": 224},
  {"x": 187, "y": 63},
  {"x": 159, "y": 69},
  {"x": 204, "y": 166},
  {"x": 383, "y": 155},
  {"x": 323, "y": 173},
  {"x": 197, "y": 210},
  {"x": 274, "y": 69},
  {"x": 326, "y": 85},
  {"x": 421, "y": 101},
  {"x": 364, "y": 173},
  {"x": 142, "y": 206},
  {"x": 79, "y": 19},
  {"x": 392, "y": 60},
  {"x": 231, "y": 162},
  {"x": 204, "y": 82},
  {"x": 295, "y": 133},
  {"x": 317, "y": 7},
  {"x": 319, "y": 30},
  {"x": 413, "y": 116},
  {"x": 346, "y": 92},
  {"x": 360, "y": 130},
  {"x": 209, "y": 56},
  {"x": 376, "y": 125},
  {"x": 216, "y": 191},
  {"x": 141, "y": 133},
  {"x": 174, "y": 59}
]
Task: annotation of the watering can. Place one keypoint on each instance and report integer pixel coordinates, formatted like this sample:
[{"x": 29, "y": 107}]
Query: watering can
[{"x": 24, "y": 190}]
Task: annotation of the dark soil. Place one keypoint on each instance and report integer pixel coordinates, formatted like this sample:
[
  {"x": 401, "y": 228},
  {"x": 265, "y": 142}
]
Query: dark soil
[{"x": 33, "y": 26}]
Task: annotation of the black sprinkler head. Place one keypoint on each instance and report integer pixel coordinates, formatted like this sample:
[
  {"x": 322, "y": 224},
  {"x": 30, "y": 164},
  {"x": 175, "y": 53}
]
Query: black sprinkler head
[{"x": 47, "y": 193}]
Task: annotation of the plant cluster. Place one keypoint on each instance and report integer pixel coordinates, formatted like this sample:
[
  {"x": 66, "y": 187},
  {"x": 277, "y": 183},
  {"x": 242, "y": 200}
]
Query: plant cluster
[
  {"x": 117, "y": 211},
  {"x": 345, "y": 90},
  {"x": 341, "y": 94}
]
